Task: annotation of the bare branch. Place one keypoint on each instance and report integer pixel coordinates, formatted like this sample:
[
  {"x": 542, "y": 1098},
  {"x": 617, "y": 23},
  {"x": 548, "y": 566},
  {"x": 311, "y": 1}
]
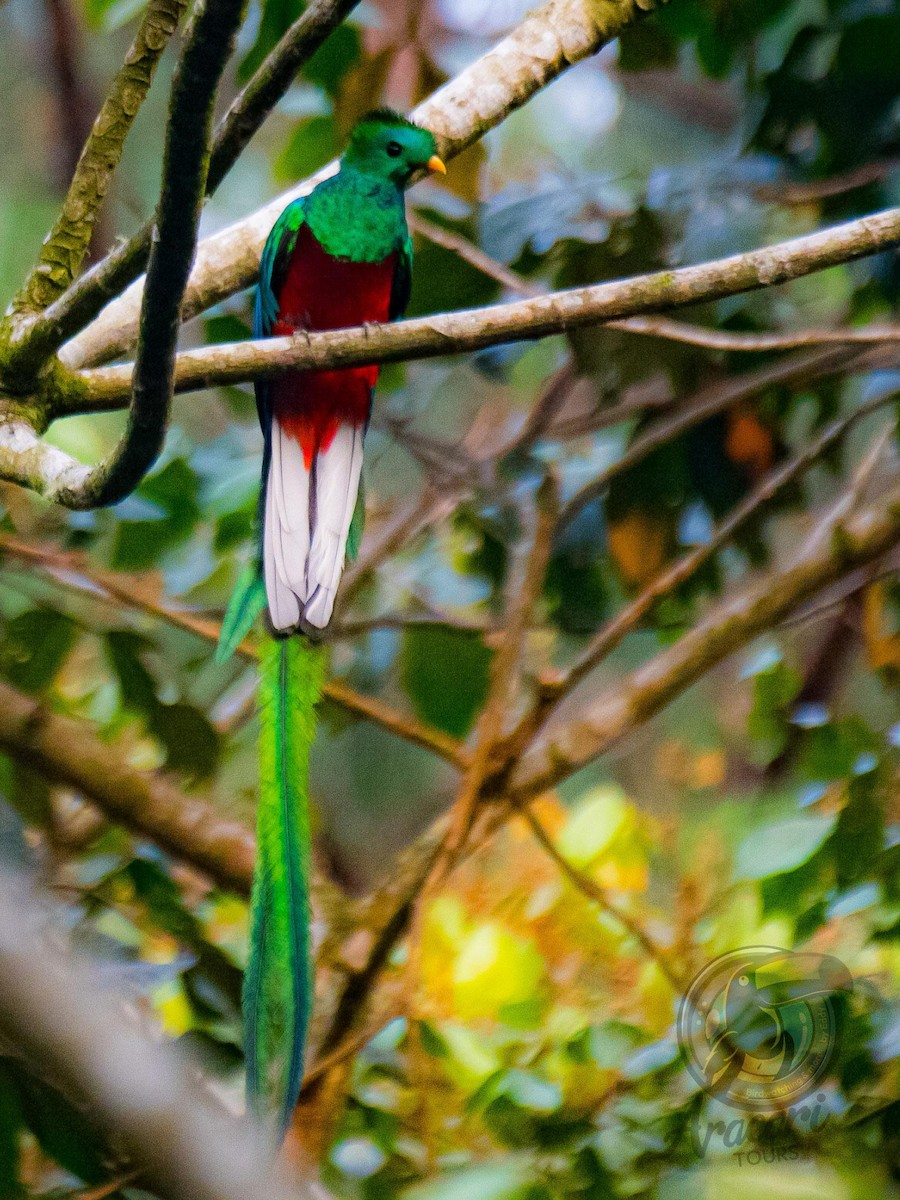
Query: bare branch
[
  {"x": 851, "y": 542},
  {"x": 659, "y": 327},
  {"x": 539, "y": 316},
  {"x": 82, "y": 302},
  {"x": 723, "y": 339},
  {"x": 548, "y": 41},
  {"x": 706, "y": 403},
  {"x": 584, "y": 884},
  {"x": 524, "y": 594}
]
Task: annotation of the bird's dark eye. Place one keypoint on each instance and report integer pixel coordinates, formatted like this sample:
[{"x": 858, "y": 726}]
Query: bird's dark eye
[{"x": 394, "y": 149}]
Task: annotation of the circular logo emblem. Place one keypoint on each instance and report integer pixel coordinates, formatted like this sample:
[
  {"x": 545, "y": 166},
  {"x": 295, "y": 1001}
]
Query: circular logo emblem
[{"x": 757, "y": 1026}]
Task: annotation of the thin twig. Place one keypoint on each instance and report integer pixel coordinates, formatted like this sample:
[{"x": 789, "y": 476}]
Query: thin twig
[
  {"x": 707, "y": 403},
  {"x": 502, "y": 689},
  {"x": 604, "y": 719},
  {"x": 137, "y": 1093},
  {"x": 679, "y": 572},
  {"x": 659, "y": 327},
  {"x": 69, "y": 571},
  {"x": 68, "y": 751},
  {"x": 599, "y": 896}
]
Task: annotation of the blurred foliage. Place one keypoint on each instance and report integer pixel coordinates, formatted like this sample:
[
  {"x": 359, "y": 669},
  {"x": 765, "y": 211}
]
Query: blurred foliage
[{"x": 760, "y": 809}]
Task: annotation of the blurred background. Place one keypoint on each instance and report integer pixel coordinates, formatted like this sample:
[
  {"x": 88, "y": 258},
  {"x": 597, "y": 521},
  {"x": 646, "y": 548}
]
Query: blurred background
[{"x": 759, "y": 809}]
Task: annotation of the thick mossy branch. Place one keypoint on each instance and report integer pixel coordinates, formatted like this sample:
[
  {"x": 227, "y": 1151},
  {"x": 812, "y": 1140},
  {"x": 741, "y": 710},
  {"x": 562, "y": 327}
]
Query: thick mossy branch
[
  {"x": 185, "y": 166},
  {"x": 90, "y": 294},
  {"x": 67, "y": 243},
  {"x": 548, "y": 41}
]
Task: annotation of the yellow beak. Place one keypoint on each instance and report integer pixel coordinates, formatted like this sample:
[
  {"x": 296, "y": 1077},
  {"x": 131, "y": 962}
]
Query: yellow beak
[{"x": 435, "y": 163}]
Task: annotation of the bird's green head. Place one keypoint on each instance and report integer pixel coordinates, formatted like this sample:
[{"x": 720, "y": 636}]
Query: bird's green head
[{"x": 386, "y": 145}]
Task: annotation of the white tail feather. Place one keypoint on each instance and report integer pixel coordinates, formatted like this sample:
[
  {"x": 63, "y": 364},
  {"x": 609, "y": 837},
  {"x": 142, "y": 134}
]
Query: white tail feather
[{"x": 305, "y": 536}]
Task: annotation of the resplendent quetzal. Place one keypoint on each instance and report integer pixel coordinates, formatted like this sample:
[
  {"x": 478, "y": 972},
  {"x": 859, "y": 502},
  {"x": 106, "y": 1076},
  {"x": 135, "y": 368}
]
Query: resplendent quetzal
[{"x": 339, "y": 257}]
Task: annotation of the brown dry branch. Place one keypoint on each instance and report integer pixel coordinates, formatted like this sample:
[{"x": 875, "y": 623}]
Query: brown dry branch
[
  {"x": 524, "y": 594},
  {"x": 715, "y": 398},
  {"x": 749, "y": 508},
  {"x": 584, "y": 884},
  {"x": 67, "y": 751},
  {"x": 131, "y": 592},
  {"x": 851, "y": 541}
]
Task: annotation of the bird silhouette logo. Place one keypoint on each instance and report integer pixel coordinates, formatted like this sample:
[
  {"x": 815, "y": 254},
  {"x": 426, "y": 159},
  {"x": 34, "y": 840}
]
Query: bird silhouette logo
[{"x": 758, "y": 1026}]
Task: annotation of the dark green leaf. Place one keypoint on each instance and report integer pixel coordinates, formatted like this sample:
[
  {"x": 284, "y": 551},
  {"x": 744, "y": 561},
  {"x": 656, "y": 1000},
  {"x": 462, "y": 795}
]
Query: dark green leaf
[{"x": 445, "y": 673}]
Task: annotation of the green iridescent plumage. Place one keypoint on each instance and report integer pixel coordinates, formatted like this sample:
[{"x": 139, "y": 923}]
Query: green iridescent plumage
[
  {"x": 356, "y": 216},
  {"x": 277, "y": 985}
]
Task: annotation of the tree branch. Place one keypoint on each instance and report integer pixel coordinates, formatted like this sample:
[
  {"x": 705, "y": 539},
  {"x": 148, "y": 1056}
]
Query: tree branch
[
  {"x": 139, "y": 1093},
  {"x": 538, "y": 316},
  {"x": 548, "y": 41},
  {"x": 706, "y": 403},
  {"x": 69, "y": 752},
  {"x": 659, "y": 327},
  {"x": 584, "y": 884},
  {"x": 67, "y": 243},
  {"x": 674, "y": 576},
  {"x": 70, "y": 572},
  {"x": 86, "y": 298},
  {"x": 524, "y": 594},
  {"x": 851, "y": 542},
  {"x": 185, "y": 164}
]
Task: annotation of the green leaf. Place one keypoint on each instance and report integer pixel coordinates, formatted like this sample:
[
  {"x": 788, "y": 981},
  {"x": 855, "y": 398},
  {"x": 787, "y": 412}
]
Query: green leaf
[
  {"x": 774, "y": 690},
  {"x": 174, "y": 490},
  {"x": 277, "y": 17},
  {"x": 36, "y": 645},
  {"x": 192, "y": 744},
  {"x": 445, "y": 672},
  {"x": 594, "y": 823},
  {"x": 782, "y": 846},
  {"x": 10, "y": 1126},
  {"x": 107, "y": 15},
  {"x": 333, "y": 60},
  {"x": 226, "y": 327},
  {"x": 61, "y": 1130},
  {"x": 507, "y": 1180},
  {"x": 312, "y": 144}
]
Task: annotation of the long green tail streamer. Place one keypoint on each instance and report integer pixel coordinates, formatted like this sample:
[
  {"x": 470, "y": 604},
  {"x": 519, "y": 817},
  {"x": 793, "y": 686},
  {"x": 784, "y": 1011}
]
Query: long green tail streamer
[{"x": 278, "y": 982}]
